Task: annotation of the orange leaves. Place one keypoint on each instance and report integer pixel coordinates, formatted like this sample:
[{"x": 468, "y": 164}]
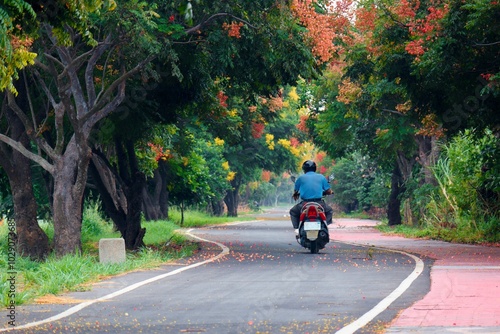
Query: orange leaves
[
  {"x": 302, "y": 126},
  {"x": 348, "y": 91},
  {"x": 431, "y": 127},
  {"x": 266, "y": 176},
  {"x": 365, "y": 19},
  {"x": 415, "y": 48},
  {"x": 159, "y": 154},
  {"x": 425, "y": 29},
  {"x": 233, "y": 29},
  {"x": 422, "y": 29},
  {"x": 275, "y": 103},
  {"x": 323, "y": 28}
]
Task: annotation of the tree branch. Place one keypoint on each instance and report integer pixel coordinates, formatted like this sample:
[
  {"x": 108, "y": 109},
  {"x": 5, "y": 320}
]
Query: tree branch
[
  {"x": 28, "y": 126},
  {"x": 89, "y": 70},
  {"x": 102, "y": 100},
  {"x": 393, "y": 111},
  {"x": 486, "y": 44},
  {"x": 28, "y": 154}
]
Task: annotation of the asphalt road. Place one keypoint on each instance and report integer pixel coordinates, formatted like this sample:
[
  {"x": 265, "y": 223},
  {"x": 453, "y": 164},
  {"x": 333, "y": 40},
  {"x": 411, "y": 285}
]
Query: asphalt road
[{"x": 256, "y": 279}]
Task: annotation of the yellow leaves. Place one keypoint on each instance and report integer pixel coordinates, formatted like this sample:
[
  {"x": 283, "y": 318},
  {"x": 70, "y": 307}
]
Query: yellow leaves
[
  {"x": 15, "y": 58},
  {"x": 292, "y": 95},
  {"x": 231, "y": 176},
  {"x": 219, "y": 142},
  {"x": 288, "y": 146},
  {"x": 110, "y": 4},
  {"x": 233, "y": 112},
  {"x": 270, "y": 141}
]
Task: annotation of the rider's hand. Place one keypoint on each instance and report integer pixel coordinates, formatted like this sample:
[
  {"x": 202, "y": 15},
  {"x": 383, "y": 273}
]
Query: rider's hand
[{"x": 295, "y": 195}]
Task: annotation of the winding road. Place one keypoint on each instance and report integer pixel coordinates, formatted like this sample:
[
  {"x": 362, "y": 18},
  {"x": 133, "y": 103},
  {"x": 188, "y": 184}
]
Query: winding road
[{"x": 249, "y": 277}]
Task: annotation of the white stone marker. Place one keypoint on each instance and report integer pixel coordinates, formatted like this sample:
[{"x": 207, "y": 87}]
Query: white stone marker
[{"x": 112, "y": 250}]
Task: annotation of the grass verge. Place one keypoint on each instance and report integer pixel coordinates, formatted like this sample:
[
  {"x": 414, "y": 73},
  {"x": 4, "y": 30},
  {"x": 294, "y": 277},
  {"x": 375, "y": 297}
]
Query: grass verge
[
  {"x": 460, "y": 234},
  {"x": 77, "y": 272}
]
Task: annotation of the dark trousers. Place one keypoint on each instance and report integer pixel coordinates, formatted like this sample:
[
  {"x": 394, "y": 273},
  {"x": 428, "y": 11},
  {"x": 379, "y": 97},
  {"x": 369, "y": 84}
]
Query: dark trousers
[{"x": 297, "y": 208}]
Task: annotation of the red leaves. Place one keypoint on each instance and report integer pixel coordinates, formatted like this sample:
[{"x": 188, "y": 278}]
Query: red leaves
[
  {"x": 257, "y": 130},
  {"x": 159, "y": 154},
  {"x": 222, "y": 99}
]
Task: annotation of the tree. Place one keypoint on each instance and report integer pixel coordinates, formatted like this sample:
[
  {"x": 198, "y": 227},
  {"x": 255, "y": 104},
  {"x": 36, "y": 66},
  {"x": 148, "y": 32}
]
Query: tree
[
  {"x": 76, "y": 102},
  {"x": 31, "y": 239}
]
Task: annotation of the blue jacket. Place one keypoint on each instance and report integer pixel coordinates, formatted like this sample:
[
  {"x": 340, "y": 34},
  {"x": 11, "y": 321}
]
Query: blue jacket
[{"x": 311, "y": 185}]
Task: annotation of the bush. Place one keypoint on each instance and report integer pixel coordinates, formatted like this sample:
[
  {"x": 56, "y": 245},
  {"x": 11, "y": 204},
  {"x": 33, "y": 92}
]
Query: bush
[{"x": 463, "y": 174}]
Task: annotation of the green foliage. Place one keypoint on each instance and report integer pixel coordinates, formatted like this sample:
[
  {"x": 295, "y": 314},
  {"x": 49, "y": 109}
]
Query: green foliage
[
  {"x": 468, "y": 196},
  {"x": 6, "y": 205},
  {"x": 94, "y": 226},
  {"x": 358, "y": 184}
]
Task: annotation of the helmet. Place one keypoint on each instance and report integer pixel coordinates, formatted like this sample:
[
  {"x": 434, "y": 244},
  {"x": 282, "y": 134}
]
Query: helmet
[{"x": 309, "y": 166}]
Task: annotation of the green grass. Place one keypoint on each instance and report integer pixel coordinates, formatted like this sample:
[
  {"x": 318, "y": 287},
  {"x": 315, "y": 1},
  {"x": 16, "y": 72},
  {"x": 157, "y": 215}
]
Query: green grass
[
  {"x": 199, "y": 219},
  {"x": 77, "y": 272},
  {"x": 462, "y": 233}
]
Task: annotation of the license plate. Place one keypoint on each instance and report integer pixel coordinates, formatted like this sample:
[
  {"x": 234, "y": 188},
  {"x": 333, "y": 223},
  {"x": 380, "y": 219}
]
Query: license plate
[{"x": 312, "y": 226}]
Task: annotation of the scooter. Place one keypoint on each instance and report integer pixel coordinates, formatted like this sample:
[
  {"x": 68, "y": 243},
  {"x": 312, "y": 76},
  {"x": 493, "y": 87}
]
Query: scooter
[{"x": 313, "y": 231}]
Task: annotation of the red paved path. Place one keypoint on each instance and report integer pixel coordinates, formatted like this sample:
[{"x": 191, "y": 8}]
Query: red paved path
[{"x": 465, "y": 281}]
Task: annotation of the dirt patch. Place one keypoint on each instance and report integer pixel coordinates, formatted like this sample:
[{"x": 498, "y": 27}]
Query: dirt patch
[{"x": 51, "y": 299}]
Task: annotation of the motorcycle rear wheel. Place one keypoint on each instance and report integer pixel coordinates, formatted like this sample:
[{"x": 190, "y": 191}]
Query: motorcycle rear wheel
[{"x": 314, "y": 247}]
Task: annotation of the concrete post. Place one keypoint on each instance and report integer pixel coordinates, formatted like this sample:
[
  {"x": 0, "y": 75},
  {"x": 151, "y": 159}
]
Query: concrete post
[{"x": 112, "y": 250}]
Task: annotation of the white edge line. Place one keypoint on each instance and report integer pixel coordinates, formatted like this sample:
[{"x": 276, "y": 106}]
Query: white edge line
[
  {"x": 387, "y": 301},
  {"x": 79, "y": 307}
]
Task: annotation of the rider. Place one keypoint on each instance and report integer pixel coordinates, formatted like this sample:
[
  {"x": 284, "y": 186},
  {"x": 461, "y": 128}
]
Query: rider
[{"x": 311, "y": 187}]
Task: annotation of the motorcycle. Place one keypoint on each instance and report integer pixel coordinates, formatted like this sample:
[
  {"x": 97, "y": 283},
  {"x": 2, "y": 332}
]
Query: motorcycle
[{"x": 313, "y": 231}]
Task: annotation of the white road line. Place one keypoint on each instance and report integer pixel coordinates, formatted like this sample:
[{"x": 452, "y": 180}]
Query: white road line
[
  {"x": 384, "y": 303},
  {"x": 83, "y": 305}
]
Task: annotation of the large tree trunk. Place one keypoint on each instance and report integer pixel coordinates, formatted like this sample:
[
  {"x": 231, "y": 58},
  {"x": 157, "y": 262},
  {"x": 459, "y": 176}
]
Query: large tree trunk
[
  {"x": 155, "y": 194},
  {"x": 111, "y": 189},
  {"x": 121, "y": 192},
  {"x": 393, "y": 208},
  {"x": 232, "y": 199},
  {"x": 217, "y": 207},
  {"x": 70, "y": 177},
  {"x": 428, "y": 152},
  {"x": 31, "y": 239}
]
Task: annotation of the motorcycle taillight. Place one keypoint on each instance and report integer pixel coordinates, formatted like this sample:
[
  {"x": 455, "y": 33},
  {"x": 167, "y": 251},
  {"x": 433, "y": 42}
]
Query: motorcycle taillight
[
  {"x": 312, "y": 212},
  {"x": 322, "y": 216}
]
